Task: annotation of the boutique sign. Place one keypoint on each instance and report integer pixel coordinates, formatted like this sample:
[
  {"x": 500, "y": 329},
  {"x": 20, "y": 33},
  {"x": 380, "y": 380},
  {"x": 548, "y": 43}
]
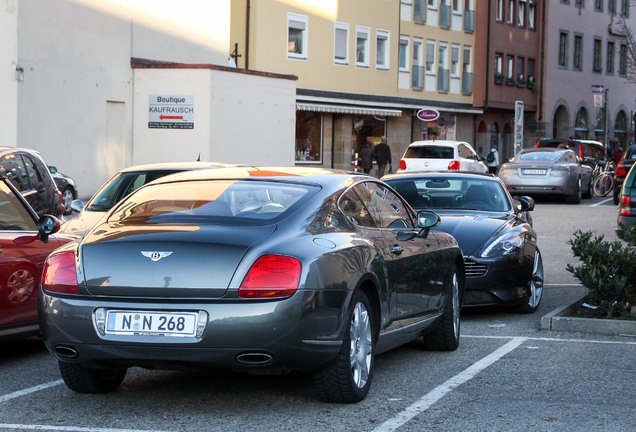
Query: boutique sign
[{"x": 427, "y": 115}]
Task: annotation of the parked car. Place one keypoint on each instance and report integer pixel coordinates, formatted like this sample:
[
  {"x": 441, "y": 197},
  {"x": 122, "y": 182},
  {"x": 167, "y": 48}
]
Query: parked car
[
  {"x": 253, "y": 269},
  {"x": 503, "y": 263},
  {"x": 30, "y": 175},
  {"x": 25, "y": 241},
  {"x": 67, "y": 187},
  {"x": 590, "y": 152},
  {"x": 547, "y": 171},
  {"x": 626, "y": 204},
  {"x": 121, "y": 184},
  {"x": 436, "y": 155},
  {"x": 622, "y": 168}
]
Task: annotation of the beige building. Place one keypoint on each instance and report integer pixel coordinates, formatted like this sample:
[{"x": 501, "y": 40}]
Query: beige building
[{"x": 365, "y": 69}]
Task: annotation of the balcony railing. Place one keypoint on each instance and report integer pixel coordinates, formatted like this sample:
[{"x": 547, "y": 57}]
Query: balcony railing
[
  {"x": 417, "y": 77},
  {"x": 445, "y": 16},
  {"x": 443, "y": 80},
  {"x": 467, "y": 83},
  {"x": 469, "y": 21}
]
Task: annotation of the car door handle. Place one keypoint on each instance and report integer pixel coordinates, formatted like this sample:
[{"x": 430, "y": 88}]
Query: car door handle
[{"x": 397, "y": 250}]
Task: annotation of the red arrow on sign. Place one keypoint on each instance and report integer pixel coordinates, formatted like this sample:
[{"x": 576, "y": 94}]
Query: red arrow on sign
[{"x": 164, "y": 117}]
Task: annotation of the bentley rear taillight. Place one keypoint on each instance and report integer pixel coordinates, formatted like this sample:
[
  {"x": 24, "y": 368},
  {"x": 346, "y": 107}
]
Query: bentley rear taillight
[
  {"x": 271, "y": 276},
  {"x": 59, "y": 274}
]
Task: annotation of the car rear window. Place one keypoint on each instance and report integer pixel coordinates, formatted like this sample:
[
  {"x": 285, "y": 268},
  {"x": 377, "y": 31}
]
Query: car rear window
[
  {"x": 539, "y": 156},
  {"x": 200, "y": 200},
  {"x": 430, "y": 152}
]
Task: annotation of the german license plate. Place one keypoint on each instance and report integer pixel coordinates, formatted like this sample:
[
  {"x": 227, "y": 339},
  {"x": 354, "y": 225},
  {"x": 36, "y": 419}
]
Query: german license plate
[
  {"x": 151, "y": 323},
  {"x": 534, "y": 171}
]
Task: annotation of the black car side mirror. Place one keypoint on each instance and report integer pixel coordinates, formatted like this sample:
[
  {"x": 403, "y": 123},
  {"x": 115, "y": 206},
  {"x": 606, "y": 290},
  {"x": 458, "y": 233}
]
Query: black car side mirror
[{"x": 47, "y": 225}]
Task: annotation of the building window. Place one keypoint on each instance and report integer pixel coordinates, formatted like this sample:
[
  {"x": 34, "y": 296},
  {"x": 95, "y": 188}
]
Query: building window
[
  {"x": 578, "y": 53},
  {"x": 532, "y": 15},
  {"x": 511, "y": 12},
  {"x": 598, "y": 5},
  {"x": 467, "y": 72},
  {"x": 456, "y": 6},
  {"x": 341, "y": 43},
  {"x": 611, "y": 6},
  {"x": 362, "y": 46},
  {"x": 308, "y": 137},
  {"x": 521, "y": 13},
  {"x": 499, "y": 64},
  {"x": 530, "y": 74},
  {"x": 403, "y": 54},
  {"x": 521, "y": 66},
  {"x": 418, "y": 71},
  {"x": 500, "y": 10},
  {"x": 622, "y": 60},
  {"x": 443, "y": 73},
  {"x": 454, "y": 61},
  {"x": 609, "y": 68},
  {"x": 625, "y": 8},
  {"x": 598, "y": 56},
  {"x": 297, "y": 36},
  {"x": 430, "y": 57},
  {"x": 419, "y": 11},
  {"x": 563, "y": 49},
  {"x": 510, "y": 65},
  {"x": 382, "y": 49}
]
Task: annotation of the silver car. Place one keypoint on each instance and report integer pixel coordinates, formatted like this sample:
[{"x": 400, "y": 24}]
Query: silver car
[{"x": 548, "y": 171}]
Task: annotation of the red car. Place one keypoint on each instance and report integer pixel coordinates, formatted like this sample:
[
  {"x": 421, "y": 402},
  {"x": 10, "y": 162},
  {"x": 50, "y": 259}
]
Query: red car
[{"x": 25, "y": 241}]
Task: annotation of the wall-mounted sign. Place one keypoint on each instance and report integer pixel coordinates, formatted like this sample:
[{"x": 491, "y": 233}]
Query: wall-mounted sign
[
  {"x": 427, "y": 114},
  {"x": 170, "y": 112}
]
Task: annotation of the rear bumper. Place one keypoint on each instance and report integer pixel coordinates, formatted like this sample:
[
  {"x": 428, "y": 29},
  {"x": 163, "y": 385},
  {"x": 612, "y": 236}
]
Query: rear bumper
[{"x": 303, "y": 332}]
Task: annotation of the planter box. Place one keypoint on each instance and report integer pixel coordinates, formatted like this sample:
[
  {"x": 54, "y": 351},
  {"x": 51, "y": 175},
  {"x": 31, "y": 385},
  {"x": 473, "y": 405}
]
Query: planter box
[{"x": 560, "y": 320}]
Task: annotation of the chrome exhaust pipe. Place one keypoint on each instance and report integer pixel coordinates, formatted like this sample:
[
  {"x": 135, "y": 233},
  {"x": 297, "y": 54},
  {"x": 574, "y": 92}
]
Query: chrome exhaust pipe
[
  {"x": 254, "y": 359},
  {"x": 64, "y": 352}
]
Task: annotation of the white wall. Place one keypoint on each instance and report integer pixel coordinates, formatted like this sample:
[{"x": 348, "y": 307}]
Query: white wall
[
  {"x": 241, "y": 118},
  {"x": 75, "y": 103},
  {"x": 8, "y": 62}
]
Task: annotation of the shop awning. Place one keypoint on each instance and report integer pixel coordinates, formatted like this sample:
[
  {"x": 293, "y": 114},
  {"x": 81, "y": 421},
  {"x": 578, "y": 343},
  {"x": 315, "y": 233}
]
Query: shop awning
[{"x": 347, "y": 109}]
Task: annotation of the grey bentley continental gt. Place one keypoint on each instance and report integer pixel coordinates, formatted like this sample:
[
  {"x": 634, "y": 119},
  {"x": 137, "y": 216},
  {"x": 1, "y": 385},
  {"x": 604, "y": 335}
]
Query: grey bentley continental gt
[{"x": 252, "y": 269}]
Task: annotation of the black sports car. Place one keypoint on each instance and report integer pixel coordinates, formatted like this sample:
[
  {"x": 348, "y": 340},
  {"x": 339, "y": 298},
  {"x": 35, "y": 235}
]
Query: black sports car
[
  {"x": 254, "y": 269},
  {"x": 503, "y": 262}
]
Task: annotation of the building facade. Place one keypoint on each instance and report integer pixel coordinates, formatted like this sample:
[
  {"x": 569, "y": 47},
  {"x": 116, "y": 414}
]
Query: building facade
[
  {"x": 365, "y": 69},
  {"x": 586, "y": 93}
]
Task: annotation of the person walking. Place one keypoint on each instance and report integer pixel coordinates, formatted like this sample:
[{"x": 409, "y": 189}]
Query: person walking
[
  {"x": 366, "y": 157},
  {"x": 382, "y": 156},
  {"x": 492, "y": 160}
]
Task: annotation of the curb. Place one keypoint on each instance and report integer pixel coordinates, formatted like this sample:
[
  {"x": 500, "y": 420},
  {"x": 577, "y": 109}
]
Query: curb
[{"x": 559, "y": 320}]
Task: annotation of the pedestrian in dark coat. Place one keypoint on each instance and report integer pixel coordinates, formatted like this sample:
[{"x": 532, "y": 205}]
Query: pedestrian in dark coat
[
  {"x": 383, "y": 156},
  {"x": 366, "y": 157}
]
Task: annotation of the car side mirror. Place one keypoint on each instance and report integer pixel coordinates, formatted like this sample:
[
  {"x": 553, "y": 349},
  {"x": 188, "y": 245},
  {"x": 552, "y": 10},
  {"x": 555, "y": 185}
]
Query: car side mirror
[
  {"x": 52, "y": 169},
  {"x": 77, "y": 205},
  {"x": 526, "y": 203},
  {"x": 47, "y": 225},
  {"x": 426, "y": 220}
]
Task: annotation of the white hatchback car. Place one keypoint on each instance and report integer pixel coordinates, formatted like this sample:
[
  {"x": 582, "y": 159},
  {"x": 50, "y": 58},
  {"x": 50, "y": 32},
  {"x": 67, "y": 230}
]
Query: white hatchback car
[{"x": 441, "y": 155}]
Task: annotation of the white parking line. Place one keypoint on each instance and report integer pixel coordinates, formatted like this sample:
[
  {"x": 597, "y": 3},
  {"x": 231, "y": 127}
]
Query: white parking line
[
  {"x": 442, "y": 390},
  {"x": 66, "y": 428},
  {"x": 601, "y": 202},
  {"x": 29, "y": 390}
]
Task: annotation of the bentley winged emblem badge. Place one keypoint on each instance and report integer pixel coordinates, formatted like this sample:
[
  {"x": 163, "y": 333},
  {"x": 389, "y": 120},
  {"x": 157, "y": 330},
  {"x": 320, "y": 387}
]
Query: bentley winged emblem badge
[{"x": 155, "y": 255}]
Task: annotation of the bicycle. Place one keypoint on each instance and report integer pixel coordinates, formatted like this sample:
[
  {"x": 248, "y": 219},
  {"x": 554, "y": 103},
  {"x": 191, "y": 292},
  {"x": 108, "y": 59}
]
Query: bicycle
[{"x": 603, "y": 175}]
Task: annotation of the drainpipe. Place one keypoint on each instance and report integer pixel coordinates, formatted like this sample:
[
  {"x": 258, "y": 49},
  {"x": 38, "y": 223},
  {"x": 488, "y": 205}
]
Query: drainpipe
[{"x": 247, "y": 34}]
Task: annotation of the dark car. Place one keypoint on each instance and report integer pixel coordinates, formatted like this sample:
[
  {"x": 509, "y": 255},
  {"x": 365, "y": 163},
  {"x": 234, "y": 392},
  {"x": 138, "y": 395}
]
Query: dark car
[
  {"x": 626, "y": 205},
  {"x": 67, "y": 187},
  {"x": 30, "y": 175},
  {"x": 589, "y": 152},
  {"x": 547, "y": 171},
  {"x": 252, "y": 269},
  {"x": 622, "y": 168},
  {"x": 121, "y": 184},
  {"x": 502, "y": 260},
  {"x": 25, "y": 242}
]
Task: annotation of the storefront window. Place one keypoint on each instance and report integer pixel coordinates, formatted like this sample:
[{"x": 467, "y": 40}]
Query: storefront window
[
  {"x": 367, "y": 128},
  {"x": 308, "y": 137}
]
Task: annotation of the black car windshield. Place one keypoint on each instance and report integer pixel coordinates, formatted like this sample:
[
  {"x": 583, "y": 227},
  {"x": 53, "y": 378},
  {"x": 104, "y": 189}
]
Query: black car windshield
[
  {"x": 200, "y": 200},
  {"x": 430, "y": 152},
  {"x": 121, "y": 185},
  {"x": 452, "y": 193}
]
